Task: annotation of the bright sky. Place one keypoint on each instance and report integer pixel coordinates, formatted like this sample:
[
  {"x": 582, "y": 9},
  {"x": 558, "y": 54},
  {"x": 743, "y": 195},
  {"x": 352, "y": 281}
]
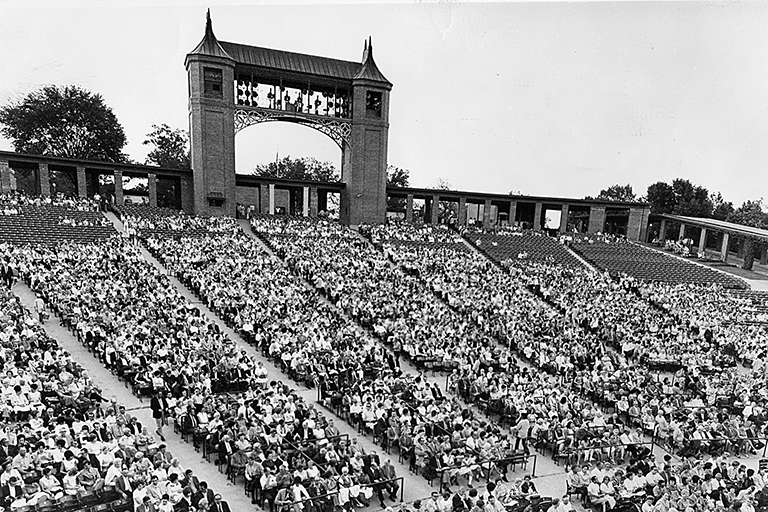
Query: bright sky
[{"x": 558, "y": 99}]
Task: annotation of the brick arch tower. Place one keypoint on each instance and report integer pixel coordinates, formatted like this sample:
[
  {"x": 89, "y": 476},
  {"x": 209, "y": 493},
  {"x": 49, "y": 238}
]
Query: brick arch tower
[{"x": 233, "y": 86}]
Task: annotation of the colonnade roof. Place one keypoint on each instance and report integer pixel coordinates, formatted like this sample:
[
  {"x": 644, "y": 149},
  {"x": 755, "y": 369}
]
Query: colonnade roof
[
  {"x": 251, "y": 180},
  {"x": 719, "y": 225},
  {"x": 101, "y": 165},
  {"x": 456, "y": 194}
]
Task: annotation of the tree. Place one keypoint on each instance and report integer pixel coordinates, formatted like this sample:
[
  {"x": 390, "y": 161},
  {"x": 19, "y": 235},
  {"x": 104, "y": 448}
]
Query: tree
[
  {"x": 617, "y": 193},
  {"x": 691, "y": 200},
  {"x": 170, "y": 147},
  {"x": 661, "y": 197},
  {"x": 137, "y": 189},
  {"x": 721, "y": 209},
  {"x": 750, "y": 213},
  {"x": 68, "y": 122},
  {"x": 397, "y": 177},
  {"x": 305, "y": 168},
  {"x": 446, "y": 210}
]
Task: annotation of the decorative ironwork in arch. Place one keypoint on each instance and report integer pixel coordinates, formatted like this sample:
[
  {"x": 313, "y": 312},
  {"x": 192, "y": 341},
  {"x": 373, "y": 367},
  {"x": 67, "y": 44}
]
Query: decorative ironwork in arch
[{"x": 339, "y": 131}]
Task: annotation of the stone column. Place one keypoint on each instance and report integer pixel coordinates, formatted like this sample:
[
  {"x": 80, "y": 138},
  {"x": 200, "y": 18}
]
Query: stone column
[
  {"x": 5, "y": 177},
  {"x": 187, "y": 195},
  {"x": 537, "y": 217},
  {"x": 43, "y": 180},
  {"x": 305, "y": 202},
  {"x": 564, "y": 218},
  {"x": 409, "y": 208},
  {"x": 703, "y": 240},
  {"x": 152, "y": 185},
  {"x": 118, "y": 187},
  {"x": 724, "y": 247},
  {"x": 435, "y": 210},
  {"x": 512, "y": 212},
  {"x": 322, "y": 200},
  {"x": 487, "y": 214},
  {"x": 596, "y": 219},
  {"x": 82, "y": 182},
  {"x": 462, "y": 211},
  {"x": 271, "y": 198},
  {"x": 635, "y": 224},
  {"x": 292, "y": 201},
  {"x": 313, "y": 202},
  {"x": 663, "y": 230},
  {"x": 681, "y": 235}
]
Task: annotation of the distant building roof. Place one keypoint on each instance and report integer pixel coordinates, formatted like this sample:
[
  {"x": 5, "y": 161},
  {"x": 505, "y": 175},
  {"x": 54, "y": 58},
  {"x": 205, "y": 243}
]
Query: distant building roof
[
  {"x": 210, "y": 45},
  {"x": 290, "y": 61},
  {"x": 720, "y": 225}
]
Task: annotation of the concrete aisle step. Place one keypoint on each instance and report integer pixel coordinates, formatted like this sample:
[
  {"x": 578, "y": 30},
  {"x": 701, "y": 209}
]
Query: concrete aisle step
[
  {"x": 414, "y": 488},
  {"x": 117, "y": 223},
  {"x": 112, "y": 387}
]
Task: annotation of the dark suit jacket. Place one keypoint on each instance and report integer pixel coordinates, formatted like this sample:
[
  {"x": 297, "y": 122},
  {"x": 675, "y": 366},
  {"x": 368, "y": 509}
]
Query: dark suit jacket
[
  {"x": 219, "y": 507},
  {"x": 9, "y": 493},
  {"x": 196, "y": 497},
  {"x": 193, "y": 482},
  {"x": 182, "y": 505}
]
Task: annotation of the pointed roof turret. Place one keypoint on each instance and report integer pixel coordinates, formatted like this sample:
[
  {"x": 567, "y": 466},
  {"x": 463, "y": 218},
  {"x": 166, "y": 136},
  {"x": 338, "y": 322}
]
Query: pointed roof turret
[
  {"x": 210, "y": 45},
  {"x": 368, "y": 69}
]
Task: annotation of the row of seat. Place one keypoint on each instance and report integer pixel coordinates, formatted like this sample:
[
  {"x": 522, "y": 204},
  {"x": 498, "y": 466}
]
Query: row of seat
[
  {"x": 651, "y": 265},
  {"x": 42, "y": 226},
  {"x": 145, "y": 211},
  {"x": 527, "y": 245},
  {"x": 82, "y": 502}
]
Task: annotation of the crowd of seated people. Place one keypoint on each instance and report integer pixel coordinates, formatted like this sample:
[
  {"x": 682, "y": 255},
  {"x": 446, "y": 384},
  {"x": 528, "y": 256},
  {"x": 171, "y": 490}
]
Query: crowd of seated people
[
  {"x": 523, "y": 399},
  {"x": 708, "y": 484},
  {"x": 63, "y": 446},
  {"x": 717, "y": 313},
  {"x": 640, "y": 413},
  {"x": 288, "y": 452},
  {"x": 607, "y": 378},
  {"x": 569, "y": 342},
  {"x": 130, "y": 316},
  {"x": 19, "y": 198},
  {"x": 265, "y": 302},
  {"x": 361, "y": 281},
  {"x": 140, "y": 219},
  {"x": 276, "y": 230}
]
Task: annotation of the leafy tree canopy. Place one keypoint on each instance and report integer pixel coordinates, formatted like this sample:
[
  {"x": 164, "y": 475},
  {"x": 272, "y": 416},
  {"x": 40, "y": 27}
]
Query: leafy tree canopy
[
  {"x": 170, "y": 148},
  {"x": 681, "y": 198},
  {"x": 691, "y": 200},
  {"x": 616, "y": 193},
  {"x": 69, "y": 122},
  {"x": 721, "y": 209},
  {"x": 750, "y": 213},
  {"x": 661, "y": 197},
  {"x": 397, "y": 176},
  {"x": 305, "y": 168}
]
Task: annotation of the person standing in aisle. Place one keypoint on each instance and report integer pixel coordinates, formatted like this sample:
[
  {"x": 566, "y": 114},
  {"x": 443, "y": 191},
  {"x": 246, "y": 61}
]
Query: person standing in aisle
[{"x": 159, "y": 406}]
